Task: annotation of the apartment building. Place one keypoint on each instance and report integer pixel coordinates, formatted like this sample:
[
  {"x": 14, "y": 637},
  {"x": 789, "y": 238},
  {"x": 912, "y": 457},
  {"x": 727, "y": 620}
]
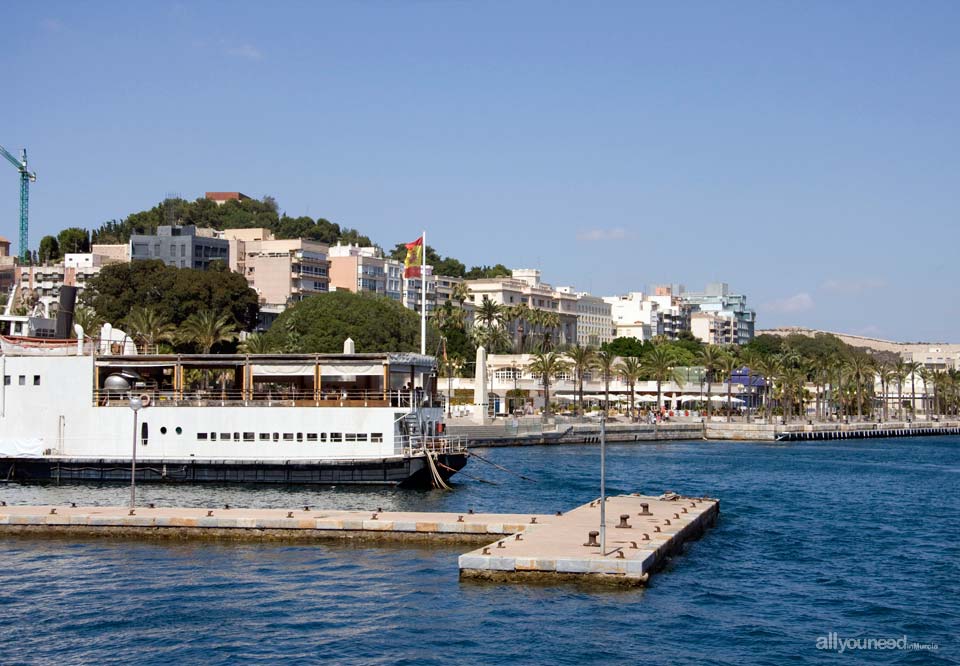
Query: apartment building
[
  {"x": 633, "y": 316},
  {"x": 728, "y": 310},
  {"x": 358, "y": 269},
  {"x": 182, "y": 246},
  {"x": 594, "y": 318},
  {"x": 42, "y": 283},
  {"x": 524, "y": 286}
]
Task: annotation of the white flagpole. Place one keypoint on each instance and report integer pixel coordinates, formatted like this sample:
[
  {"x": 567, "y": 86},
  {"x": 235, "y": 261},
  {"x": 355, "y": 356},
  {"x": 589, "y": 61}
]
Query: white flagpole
[{"x": 423, "y": 295}]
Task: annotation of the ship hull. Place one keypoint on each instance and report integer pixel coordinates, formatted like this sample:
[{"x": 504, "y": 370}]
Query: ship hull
[{"x": 408, "y": 472}]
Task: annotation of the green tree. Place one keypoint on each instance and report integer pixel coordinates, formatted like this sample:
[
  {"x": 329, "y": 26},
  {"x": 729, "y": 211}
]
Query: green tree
[
  {"x": 88, "y": 320},
  {"x": 624, "y": 347},
  {"x": 49, "y": 250},
  {"x": 547, "y": 365},
  {"x": 73, "y": 240},
  {"x": 605, "y": 363},
  {"x": 256, "y": 343},
  {"x": 207, "y": 328},
  {"x": 175, "y": 292},
  {"x": 148, "y": 327},
  {"x": 321, "y": 323},
  {"x": 630, "y": 371},
  {"x": 861, "y": 371},
  {"x": 581, "y": 359},
  {"x": 710, "y": 357},
  {"x": 660, "y": 365},
  {"x": 727, "y": 365}
]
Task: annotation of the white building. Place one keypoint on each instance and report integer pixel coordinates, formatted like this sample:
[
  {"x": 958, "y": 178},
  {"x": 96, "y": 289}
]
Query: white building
[
  {"x": 633, "y": 316},
  {"x": 594, "y": 318}
]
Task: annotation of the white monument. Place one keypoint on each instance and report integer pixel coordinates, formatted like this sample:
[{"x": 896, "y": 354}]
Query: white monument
[{"x": 480, "y": 395}]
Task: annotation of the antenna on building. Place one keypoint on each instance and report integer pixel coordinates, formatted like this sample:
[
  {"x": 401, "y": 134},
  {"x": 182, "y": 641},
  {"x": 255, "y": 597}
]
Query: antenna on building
[{"x": 169, "y": 207}]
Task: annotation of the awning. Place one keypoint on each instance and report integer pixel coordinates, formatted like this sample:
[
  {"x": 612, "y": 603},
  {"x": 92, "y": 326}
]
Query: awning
[
  {"x": 351, "y": 369},
  {"x": 282, "y": 370}
]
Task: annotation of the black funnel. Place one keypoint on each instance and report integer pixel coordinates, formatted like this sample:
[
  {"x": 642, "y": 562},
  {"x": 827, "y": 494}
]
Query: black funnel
[{"x": 68, "y": 302}]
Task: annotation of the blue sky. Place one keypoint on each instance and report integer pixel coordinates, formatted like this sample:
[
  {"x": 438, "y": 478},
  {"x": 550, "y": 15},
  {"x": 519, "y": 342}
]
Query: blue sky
[{"x": 806, "y": 153}]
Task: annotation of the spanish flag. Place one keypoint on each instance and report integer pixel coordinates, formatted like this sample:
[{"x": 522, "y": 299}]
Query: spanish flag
[{"x": 414, "y": 260}]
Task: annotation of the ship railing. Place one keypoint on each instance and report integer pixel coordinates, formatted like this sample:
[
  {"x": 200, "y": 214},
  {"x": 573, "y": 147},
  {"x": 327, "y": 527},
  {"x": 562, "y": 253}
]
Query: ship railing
[
  {"x": 287, "y": 397},
  {"x": 416, "y": 445}
]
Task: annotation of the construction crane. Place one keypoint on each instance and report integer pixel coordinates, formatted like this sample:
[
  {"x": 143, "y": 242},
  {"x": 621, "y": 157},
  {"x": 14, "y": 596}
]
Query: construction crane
[{"x": 26, "y": 177}]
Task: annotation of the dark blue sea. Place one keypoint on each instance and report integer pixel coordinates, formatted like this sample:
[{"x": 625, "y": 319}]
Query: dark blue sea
[{"x": 857, "y": 539}]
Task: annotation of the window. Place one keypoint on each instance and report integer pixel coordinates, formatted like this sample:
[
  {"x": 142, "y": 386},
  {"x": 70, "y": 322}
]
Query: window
[
  {"x": 376, "y": 437},
  {"x": 36, "y": 380},
  {"x": 323, "y": 436},
  {"x": 264, "y": 436},
  {"x": 163, "y": 430},
  {"x": 361, "y": 437},
  {"x": 224, "y": 435},
  {"x": 213, "y": 436},
  {"x": 179, "y": 430},
  {"x": 311, "y": 436},
  {"x": 276, "y": 436},
  {"x": 202, "y": 436},
  {"x": 236, "y": 436},
  {"x": 22, "y": 380},
  {"x": 351, "y": 437},
  {"x": 299, "y": 436},
  {"x": 288, "y": 436},
  {"x": 336, "y": 437},
  {"x": 248, "y": 436},
  {"x": 6, "y": 380}
]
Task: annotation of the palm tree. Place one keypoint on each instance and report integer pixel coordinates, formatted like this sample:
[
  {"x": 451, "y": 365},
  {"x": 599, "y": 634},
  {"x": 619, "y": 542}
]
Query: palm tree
[
  {"x": 726, "y": 366},
  {"x": 926, "y": 376},
  {"x": 581, "y": 360},
  {"x": 256, "y": 343},
  {"x": 206, "y": 329},
  {"x": 520, "y": 314},
  {"x": 769, "y": 368},
  {"x": 492, "y": 338},
  {"x": 605, "y": 362},
  {"x": 148, "y": 326},
  {"x": 791, "y": 383},
  {"x": 887, "y": 376},
  {"x": 709, "y": 358},
  {"x": 630, "y": 370},
  {"x": 899, "y": 374},
  {"x": 839, "y": 366},
  {"x": 912, "y": 368},
  {"x": 861, "y": 370},
  {"x": 820, "y": 367},
  {"x": 749, "y": 358},
  {"x": 88, "y": 319},
  {"x": 460, "y": 294},
  {"x": 547, "y": 365},
  {"x": 658, "y": 364},
  {"x": 489, "y": 314}
]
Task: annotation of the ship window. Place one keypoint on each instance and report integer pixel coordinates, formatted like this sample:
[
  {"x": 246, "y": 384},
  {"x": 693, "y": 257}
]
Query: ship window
[
  {"x": 276, "y": 436},
  {"x": 336, "y": 437},
  {"x": 163, "y": 430},
  {"x": 376, "y": 437},
  {"x": 299, "y": 436},
  {"x": 288, "y": 436},
  {"x": 213, "y": 436},
  {"x": 201, "y": 435},
  {"x": 361, "y": 436},
  {"x": 248, "y": 436},
  {"x": 264, "y": 436},
  {"x": 351, "y": 437},
  {"x": 179, "y": 430},
  {"x": 236, "y": 436},
  {"x": 36, "y": 380},
  {"x": 22, "y": 380},
  {"x": 224, "y": 435},
  {"x": 311, "y": 436},
  {"x": 323, "y": 436},
  {"x": 6, "y": 380}
]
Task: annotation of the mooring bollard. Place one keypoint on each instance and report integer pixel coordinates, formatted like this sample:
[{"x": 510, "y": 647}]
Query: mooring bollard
[
  {"x": 633, "y": 544},
  {"x": 373, "y": 517},
  {"x": 676, "y": 516},
  {"x": 592, "y": 539},
  {"x": 500, "y": 544},
  {"x": 151, "y": 506},
  {"x": 470, "y": 511},
  {"x": 656, "y": 528},
  {"x": 459, "y": 519},
  {"x": 486, "y": 551},
  {"x": 226, "y": 507},
  {"x": 132, "y": 513},
  {"x": 307, "y": 508},
  {"x": 53, "y": 512},
  {"x": 73, "y": 505},
  {"x": 289, "y": 514},
  {"x": 518, "y": 537},
  {"x": 666, "y": 521},
  {"x": 209, "y": 513},
  {"x": 623, "y": 521},
  {"x": 559, "y": 513},
  {"x": 620, "y": 555},
  {"x": 644, "y": 509},
  {"x": 533, "y": 520},
  {"x": 646, "y": 537}
]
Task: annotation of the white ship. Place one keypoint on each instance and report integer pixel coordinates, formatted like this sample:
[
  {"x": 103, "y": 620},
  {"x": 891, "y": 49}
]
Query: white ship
[{"x": 67, "y": 415}]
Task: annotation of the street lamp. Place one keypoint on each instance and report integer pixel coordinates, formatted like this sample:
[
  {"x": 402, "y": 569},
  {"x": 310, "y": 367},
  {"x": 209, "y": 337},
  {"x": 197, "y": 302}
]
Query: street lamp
[{"x": 136, "y": 404}]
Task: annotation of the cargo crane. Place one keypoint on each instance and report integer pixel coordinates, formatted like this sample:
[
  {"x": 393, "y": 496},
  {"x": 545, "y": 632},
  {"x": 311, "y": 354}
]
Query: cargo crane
[{"x": 26, "y": 177}]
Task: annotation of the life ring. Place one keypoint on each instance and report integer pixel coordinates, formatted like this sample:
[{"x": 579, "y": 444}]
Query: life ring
[{"x": 145, "y": 400}]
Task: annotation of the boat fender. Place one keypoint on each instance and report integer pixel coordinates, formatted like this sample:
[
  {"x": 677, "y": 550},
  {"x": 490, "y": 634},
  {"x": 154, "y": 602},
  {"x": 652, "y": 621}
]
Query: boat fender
[{"x": 145, "y": 400}]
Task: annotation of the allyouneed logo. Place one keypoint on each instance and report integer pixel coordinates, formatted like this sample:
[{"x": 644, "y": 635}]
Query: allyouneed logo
[{"x": 833, "y": 641}]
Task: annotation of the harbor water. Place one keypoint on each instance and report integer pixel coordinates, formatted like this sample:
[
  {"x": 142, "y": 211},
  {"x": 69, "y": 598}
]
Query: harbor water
[{"x": 817, "y": 543}]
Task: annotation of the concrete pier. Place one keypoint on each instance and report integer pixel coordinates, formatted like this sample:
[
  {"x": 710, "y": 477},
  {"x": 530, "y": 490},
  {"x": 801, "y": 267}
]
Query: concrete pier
[{"x": 641, "y": 532}]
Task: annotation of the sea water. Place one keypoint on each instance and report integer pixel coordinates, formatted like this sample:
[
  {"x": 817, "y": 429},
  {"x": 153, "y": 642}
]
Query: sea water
[{"x": 819, "y": 548}]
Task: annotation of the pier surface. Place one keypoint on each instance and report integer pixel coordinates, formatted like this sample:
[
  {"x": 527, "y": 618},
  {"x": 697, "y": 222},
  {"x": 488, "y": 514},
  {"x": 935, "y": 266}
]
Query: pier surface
[{"x": 526, "y": 546}]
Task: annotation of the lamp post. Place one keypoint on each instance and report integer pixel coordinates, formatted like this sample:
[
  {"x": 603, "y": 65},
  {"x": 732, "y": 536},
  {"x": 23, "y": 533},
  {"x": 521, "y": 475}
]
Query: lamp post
[
  {"x": 136, "y": 404},
  {"x": 603, "y": 484}
]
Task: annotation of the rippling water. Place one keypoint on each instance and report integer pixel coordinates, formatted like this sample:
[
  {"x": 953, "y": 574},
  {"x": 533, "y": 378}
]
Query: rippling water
[{"x": 858, "y": 538}]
